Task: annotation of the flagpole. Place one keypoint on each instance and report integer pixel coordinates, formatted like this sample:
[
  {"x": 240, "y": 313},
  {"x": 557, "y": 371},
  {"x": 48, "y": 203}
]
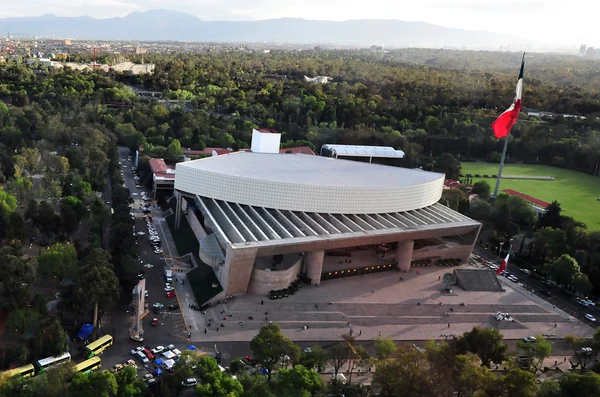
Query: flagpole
[{"x": 501, "y": 166}]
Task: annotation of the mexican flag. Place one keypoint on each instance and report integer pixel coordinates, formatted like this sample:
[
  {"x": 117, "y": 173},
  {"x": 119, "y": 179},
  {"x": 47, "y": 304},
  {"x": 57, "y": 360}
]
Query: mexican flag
[
  {"x": 506, "y": 120},
  {"x": 504, "y": 263}
]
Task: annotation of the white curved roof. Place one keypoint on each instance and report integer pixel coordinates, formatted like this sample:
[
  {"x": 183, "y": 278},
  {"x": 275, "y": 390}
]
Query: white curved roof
[
  {"x": 298, "y": 182},
  {"x": 364, "y": 151}
]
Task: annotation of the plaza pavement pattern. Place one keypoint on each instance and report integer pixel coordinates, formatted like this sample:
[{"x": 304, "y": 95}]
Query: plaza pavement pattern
[{"x": 381, "y": 305}]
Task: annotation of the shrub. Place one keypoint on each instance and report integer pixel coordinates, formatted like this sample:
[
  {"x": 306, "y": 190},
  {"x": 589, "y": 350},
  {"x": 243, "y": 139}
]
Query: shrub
[
  {"x": 477, "y": 175},
  {"x": 486, "y": 176},
  {"x": 494, "y": 176}
]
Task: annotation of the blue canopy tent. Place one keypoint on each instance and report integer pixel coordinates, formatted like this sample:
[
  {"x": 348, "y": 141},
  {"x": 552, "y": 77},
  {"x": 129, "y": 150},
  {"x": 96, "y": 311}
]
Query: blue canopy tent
[
  {"x": 191, "y": 347},
  {"x": 157, "y": 372},
  {"x": 84, "y": 332},
  {"x": 159, "y": 361}
]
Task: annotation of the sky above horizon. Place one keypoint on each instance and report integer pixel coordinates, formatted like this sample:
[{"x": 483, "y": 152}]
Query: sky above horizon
[{"x": 548, "y": 21}]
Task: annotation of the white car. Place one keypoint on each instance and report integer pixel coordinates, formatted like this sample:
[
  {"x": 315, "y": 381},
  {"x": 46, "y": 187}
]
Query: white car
[
  {"x": 590, "y": 317},
  {"x": 169, "y": 288},
  {"x": 189, "y": 382},
  {"x": 158, "y": 349},
  {"x": 529, "y": 339},
  {"x": 137, "y": 349}
]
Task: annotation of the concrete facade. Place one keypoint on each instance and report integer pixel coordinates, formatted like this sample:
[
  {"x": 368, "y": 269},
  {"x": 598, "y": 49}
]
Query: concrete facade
[
  {"x": 314, "y": 265},
  {"x": 236, "y": 273},
  {"x": 263, "y": 281},
  {"x": 404, "y": 254}
]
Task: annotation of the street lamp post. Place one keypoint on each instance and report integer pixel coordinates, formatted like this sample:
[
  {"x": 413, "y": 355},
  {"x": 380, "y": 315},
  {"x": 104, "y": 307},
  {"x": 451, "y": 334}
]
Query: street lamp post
[{"x": 500, "y": 249}]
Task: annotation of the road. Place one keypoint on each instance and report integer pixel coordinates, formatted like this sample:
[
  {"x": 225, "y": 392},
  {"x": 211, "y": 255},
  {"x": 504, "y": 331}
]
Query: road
[
  {"x": 558, "y": 298},
  {"x": 171, "y": 328}
]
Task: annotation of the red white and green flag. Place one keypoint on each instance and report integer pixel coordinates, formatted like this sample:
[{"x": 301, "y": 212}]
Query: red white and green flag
[
  {"x": 504, "y": 263},
  {"x": 506, "y": 120}
]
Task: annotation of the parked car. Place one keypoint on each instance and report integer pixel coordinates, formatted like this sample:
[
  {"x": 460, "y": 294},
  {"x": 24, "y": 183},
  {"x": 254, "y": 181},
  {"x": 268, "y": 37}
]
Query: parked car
[
  {"x": 154, "y": 322},
  {"x": 158, "y": 349},
  {"x": 190, "y": 382},
  {"x": 529, "y": 339},
  {"x": 173, "y": 307},
  {"x": 590, "y": 317},
  {"x": 169, "y": 288},
  {"x": 148, "y": 354},
  {"x": 170, "y": 294},
  {"x": 137, "y": 349}
]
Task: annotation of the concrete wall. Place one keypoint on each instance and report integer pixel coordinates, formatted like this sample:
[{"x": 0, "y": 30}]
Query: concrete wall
[
  {"x": 263, "y": 281},
  {"x": 404, "y": 254},
  {"x": 443, "y": 252},
  {"x": 210, "y": 260},
  {"x": 235, "y": 274},
  {"x": 314, "y": 266},
  {"x": 195, "y": 225}
]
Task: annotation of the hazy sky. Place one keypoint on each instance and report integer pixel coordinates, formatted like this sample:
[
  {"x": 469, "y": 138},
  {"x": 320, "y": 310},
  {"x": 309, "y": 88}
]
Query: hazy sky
[{"x": 551, "y": 21}]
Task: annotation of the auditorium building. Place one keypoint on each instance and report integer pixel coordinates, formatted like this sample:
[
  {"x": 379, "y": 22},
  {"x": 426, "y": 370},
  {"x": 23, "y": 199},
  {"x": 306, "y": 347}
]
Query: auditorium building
[{"x": 263, "y": 217}]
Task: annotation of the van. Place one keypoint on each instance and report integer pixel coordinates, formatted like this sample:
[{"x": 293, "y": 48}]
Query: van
[
  {"x": 142, "y": 357},
  {"x": 168, "y": 275},
  {"x": 189, "y": 382}
]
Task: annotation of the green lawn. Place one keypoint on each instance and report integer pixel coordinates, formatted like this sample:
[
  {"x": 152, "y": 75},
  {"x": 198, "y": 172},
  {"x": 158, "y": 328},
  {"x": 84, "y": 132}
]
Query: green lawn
[{"x": 575, "y": 191}]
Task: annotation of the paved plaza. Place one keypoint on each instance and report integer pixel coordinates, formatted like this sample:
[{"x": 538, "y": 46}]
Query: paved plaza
[{"x": 381, "y": 304}]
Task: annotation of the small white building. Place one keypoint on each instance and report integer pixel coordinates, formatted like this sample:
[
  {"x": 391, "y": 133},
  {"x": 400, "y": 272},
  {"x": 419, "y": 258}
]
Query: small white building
[{"x": 265, "y": 141}]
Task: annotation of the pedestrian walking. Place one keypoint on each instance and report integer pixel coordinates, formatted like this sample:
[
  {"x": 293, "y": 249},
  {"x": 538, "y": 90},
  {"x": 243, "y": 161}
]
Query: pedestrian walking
[
  {"x": 448, "y": 325},
  {"x": 217, "y": 329},
  {"x": 439, "y": 278},
  {"x": 262, "y": 302},
  {"x": 360, "y": 333},
  {"x": 555, "y": 325},
  {"x": 205, "y": 330},
  {"x": 379, "y": 334}
]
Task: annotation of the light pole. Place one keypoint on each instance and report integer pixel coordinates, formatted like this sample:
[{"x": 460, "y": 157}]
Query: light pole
[{"x": 500, "y": 249}]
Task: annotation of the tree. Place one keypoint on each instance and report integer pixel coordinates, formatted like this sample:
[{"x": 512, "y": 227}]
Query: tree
[
  {"x": 405, "y": 375},
  {"x": 455, "y": 198},
  {"x": 298, "y": 382},
  {"x": 269, "y": 345},
  {"x": 486, "y": 343},
  {"x": 480, "y": 210},
  {"x": 582, "y": 284},
  {"x": 96, "y": 384},
  {"x": 581, "y": 354},
  {"x": 536, "y": 352},
  {"x": 482, "y": 189},
  {"x": 8, "y": 202},
  {"x": 316, "y": 359},
  {"x": 173, "y": 153},
  {"x": 339, "y": 354},
  {"x": 549, "y": 388},
  {"x": 580, "y": 385},
  {"x": 59, "y": 260},
  {"x": 551, "y": 217},
  {"x": 447, "y": 164},
  {"x": 129, "y": 384},
  {"x": 519, "y": 383},
  {"x": 549, "y": 243},
  {"x": 212, "y": 381},
  {"x": 100, "y": 285},
  {"x": 16, "y": 226},
  {"x": 25, "y": 321},
  {"x": 52, "y": 339},
  {"x": 563, "y": 270},
  {"x": 384, "y": 348},
  {"x": 46, "y": 219}
]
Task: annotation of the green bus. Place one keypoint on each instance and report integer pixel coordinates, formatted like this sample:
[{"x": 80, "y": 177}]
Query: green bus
[
  {"x": 42, "y": 365},
  {"x": 98, "y": 346},
  {"x": 87, "y": 366}
]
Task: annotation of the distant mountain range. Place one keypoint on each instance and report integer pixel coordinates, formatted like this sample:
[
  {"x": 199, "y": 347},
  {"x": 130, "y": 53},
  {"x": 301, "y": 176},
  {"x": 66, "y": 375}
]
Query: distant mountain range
[{"x": 165, "y": 25}]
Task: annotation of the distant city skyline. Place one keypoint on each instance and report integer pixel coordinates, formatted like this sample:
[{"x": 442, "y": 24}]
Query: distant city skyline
[{"x": 560, "y": 23}]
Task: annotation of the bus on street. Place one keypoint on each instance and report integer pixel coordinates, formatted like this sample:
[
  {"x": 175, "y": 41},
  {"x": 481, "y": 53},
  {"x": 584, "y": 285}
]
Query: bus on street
[
  {"x": 98, "y": 346},
  {"x": 87, "y": 366},
  {"x": 25, "y": 371},
  {"x": 42, "y": 365}
]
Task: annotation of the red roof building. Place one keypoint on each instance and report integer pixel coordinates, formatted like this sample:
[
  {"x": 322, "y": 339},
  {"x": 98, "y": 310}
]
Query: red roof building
[
  {"x": 163, "y": 176},
  {"x": 298, "y": 149}
]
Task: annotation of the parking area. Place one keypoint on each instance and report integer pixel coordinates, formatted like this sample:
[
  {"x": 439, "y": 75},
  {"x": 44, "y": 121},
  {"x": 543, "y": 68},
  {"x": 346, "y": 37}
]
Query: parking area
[{"x": 151, "y": 362}]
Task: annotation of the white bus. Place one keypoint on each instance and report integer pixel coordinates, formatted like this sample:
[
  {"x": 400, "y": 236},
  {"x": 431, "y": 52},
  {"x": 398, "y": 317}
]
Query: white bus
[{"x": 42, "y": 365}]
